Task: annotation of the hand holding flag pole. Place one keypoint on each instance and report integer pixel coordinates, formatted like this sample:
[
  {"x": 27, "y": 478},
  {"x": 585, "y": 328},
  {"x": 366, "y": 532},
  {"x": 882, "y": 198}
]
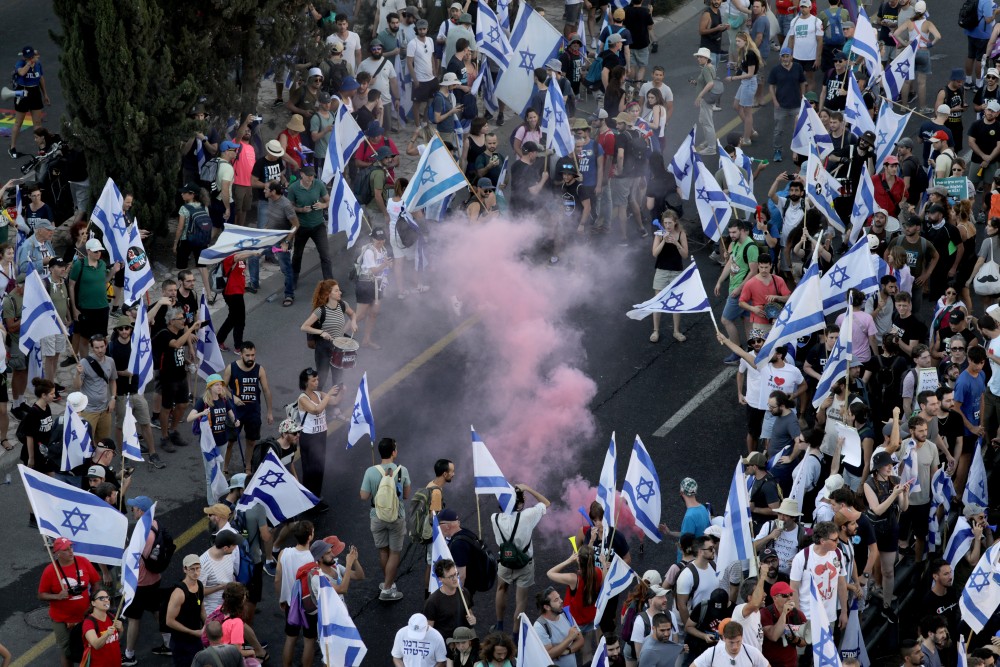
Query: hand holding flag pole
[{"x": 471, "y": 189}]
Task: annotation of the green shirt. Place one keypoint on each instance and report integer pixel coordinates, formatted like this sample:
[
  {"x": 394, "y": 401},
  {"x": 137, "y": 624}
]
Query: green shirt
[
  {"x": 301, "y": 197},
  {"x": 739, "y": 268},
  {"x": 373, "y": 476},
  {"x": 92, "y": 288}
]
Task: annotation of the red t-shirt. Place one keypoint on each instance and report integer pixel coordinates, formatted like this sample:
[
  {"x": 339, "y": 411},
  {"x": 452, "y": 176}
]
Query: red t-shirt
[
  {"x": 583, "y": 614},
  {"x": 366, "y": 152},
  {"x": 109, "y": 655},
  {"x": 607, "y": 142},
  {"x": 72, "y": 609},
  {"x": 293, "y": 146},
  {"x": 236, "y": 283},
  {"x": 774, "y": 652},
  {"x": 756, "y": 292}
]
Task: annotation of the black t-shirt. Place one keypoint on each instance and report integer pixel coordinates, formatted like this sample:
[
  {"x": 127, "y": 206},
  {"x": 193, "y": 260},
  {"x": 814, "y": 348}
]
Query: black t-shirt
[
  {"x": 945, "y": 240},
  {"x": 624, "y": 141},
  {"x": 984, "y": 95},
  {"x": 189, "y": 305},
  {"x": 170, "y": 361},
  {"x": 457, "y": 67},
  {"x": 707, "y": 617},
  {"x": 38, "y": 424},
  {"x": 866, "y": 531},
  {"x": 889, "y": 13},
  {"x": 909, "y": 329},
  {"x": 120, "y": 353},
  {"x": 986, "y": 135},
  {"x": 909, "y": 167},
  {"x": 951, "y": 428},
  {"x": 522, "y": 177},
  {"x": 446, "y": 611},
  {"x": 763, "y": 493},
  {"x": 637, "y": 22},
  {"x": 834, "y": 83},
  {"x": 462, "y": 549},
  {"x": 266, "y": 170},
  {"x": 816, "y": 358},
  {"x": 364, "y": 117},
  {"x": 943, "y": 605},
  {"x": 618, "y": 544}
]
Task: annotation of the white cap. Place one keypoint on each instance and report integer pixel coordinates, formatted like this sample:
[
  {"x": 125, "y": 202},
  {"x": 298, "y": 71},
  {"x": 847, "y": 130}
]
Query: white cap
[
  {"x": 416, "y": 627},
  {"x": 994, "y": 312},
  {"x": 94, "y": 245},
  {"x": 993, "y": 106},
  {"x": 652, "y": 577},
  {"x": 920, "y": 7},
  {"x": 993, "y": 71},
  {"x": 944, "y": 108},
  {"x": 873, "y": 242}
]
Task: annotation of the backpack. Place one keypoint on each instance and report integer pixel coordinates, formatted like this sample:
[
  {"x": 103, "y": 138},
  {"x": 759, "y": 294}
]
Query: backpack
[
  {"x": 638, "y": 148},
  {"x": 968, "y": 15},
  {"x": 511, "y": 555},
  {"x": 356, "y": 270},
  {"x": 406, "y": 230},
  {"x": 292, "y": 412},
  {"x": 592, "y": 79},
  {"x": 419, "y": 525},
  {"x": 306, "y": 599},
  {"x": 312, "y": 338},
  {"x": 219, "y": 278},
  {"x": 362, "y": 185},
  {"x": 695, "y": 579},
  {"x": 629, "y": 616},
  {"x": 163, "y": 550},
  {"x": 386, "y": 500},
  {"x": 335, "y": 76},
  {"x": 208, "y": 173},
  {"x": 76, "y": 641},
  {"x": 834, "y": 33},
  {"x": 199, "y": 226},
  {"x": 261, "y": 450},
  {"x": 481, "y": 570},
  {"x": 245, "y": 570}
]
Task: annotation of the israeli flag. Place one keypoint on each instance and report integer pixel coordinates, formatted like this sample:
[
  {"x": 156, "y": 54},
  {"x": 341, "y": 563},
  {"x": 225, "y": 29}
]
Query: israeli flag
[
  {"x": 903, "y": 68},
  {"x": 36, "y": 364},
  {"x": 77, "y": 444},
  {"x": 282, "y": 496},
  {"x": 981, "y": 594},
  {"x": 109, "y": 217},
  {"x": 601, "y": 653},
  {"x": 855, "y": 111},
  {"x": 490, "y": 36},
  {"x": 140, "y": 361},
  {"x": 216, "y": 485},
  {"x": 338, "y": 637},
  {"x": 866, "y": 44},
  {"x": 130, "y": 434},
  {"x": 97, "y": 529},
  {"x": 736, "y": 543},
  {"x": 234, "y": 239},
  {"x": 889, "y": 128},
  {"x": 405, "y": 90},
  {"x": 439, "y": 551},
  {"x": 714, "y": 209},
  {"x": 641, "y": 491},
  {"x": 362, "y": 421},
  {"x": 616, "y": 580},
  {"x": 489, "y": 479},
  {"x": 555, "y": 122},
  {"x": 822, "y": 188},
  {"x": 38, "y": 314},
  {"x": 976, "y": 491},
  {"x": 484, "y": 82},
  {"x": 436, "y": 176},
  {"x": 837, "y": 364},
  {"x": 608, "y": 483},
  {"x": 963, "y": 659},
  {"x": 503, "y": 14},
  {"x": 344, "y": 141},
  {"x": 739, "y": 188},
  {"x": 908, "y": 468},
  {"x": 864, "y": 204},
  {"x": 133, "y": 556},
  {"x": 19, "y": 221},
  {"x": 685, "y": 294},
  {"x": 207, "y": 344},
  {"x": 852, "y": 643},
  {"x": 138, "y": 269},
  {"x": 581, "y": 31},
  {"x": 825, "y": 652},
  {"x": 530, "y": 649},
  {"x": 802, "y": 314},
  {"x": 959, "y": 543},
  {"x": 345, "y": 212},
  {"x": 682, "y": 165},
  {"x": 533, "y": 42},
  {"x": 854, "y": 270},
  {"x": 942, "y": 493},
  {"x": 810, "y": 134}
]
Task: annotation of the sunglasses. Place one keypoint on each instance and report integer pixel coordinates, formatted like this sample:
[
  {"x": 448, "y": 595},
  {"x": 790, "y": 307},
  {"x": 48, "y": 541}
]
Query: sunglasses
[{"x": 101, "y": 598}]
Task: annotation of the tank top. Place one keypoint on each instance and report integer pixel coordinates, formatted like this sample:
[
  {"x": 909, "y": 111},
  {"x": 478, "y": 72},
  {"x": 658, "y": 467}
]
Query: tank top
[
  {"x": 245, "y": 386},
  {"x": 312, "y": 423},
  {"x": 394, "y": 208},
  {"x": 882, "y": 491},
  {"x": 917, "y": 33},
  {"x": 294, "y": 148},
  {"x": 190, "y": 612},
  {"x": 669, "y": 258},
  {"x": 713, "y": 42},
  {"x": 475, "y": 150}
]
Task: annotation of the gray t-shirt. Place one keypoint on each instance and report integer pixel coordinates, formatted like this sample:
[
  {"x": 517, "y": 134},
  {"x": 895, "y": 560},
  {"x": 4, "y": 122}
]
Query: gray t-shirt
[
  {"x": 256, "y": 518},
  {"x": 227, "y": 655},
  {"x": 659, "y": 654},
  {"x": 374, "y": 475},
  {"x": 279, "y": 214},
  {"x": 552, "y": 633},
  {"x": 97, "y": 390}
]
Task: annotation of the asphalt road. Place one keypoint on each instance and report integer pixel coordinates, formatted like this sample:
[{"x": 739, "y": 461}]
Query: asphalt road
[{"x": 440, "y": 371}]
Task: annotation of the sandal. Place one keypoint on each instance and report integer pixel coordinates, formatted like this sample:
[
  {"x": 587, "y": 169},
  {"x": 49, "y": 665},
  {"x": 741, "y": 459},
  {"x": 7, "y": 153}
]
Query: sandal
[
  {"x": 5, "y": 443},
  {"x": 211, "y": 299},
  {"x": 288, "y": 301}
]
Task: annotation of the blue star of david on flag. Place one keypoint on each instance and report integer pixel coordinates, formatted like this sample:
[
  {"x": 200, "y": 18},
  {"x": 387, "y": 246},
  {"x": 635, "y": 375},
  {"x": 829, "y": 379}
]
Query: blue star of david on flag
[
  {"x": 672, "y": 301},
  {"x": 686, "y": 294},
  {"x": 839, "y": 276},
  {"x": 272, "y": 479},
  {"x": 645, "y": 490},
  {"x": 494, "y": 34},
  {"x": 428, "y": 176},
  {"x": 527, "y": 61},
  {"x": 119, "y": 223},
  {"x": 827, "y": 650},
  {"x": 247, "y": 243},
  {"x": 641, "y": 491},
  {"x": 136, "y": 558},
  {"x": 75, "y": 520},
  {"x": 283, "y": 497}
]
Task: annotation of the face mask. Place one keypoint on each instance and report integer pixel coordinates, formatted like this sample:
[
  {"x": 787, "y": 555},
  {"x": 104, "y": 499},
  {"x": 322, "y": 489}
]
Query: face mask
[{"x": 856, "y": 539}]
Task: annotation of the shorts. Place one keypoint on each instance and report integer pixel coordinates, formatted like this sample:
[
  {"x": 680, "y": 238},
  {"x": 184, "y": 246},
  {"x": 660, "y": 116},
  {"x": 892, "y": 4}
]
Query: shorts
[
  {"x": 249, "y": 424},
  {"x": 915, "y": 519},
  {"x": 185, "y": 250},
  {"x": 977, "y": 48},
  {"x": 732, "y": 311},
  {"x": 886, "y": 534},
  {"x": 662, "y": 278},
  {"x": 55, "y": 345},
  {"x": 255, "y": 589},
  {"x": 33, "y": 100},
  {"x": 522, "y": 578},
  {"x": 399, "y": 251},
  {"x": 640, "y": 58},
  {"x": 746, "y": 92},
  {"x": 424, "y": 90},
  {"x": 807, "y": 65},
  {"x": 755, "y": 421},
  {"x": 571, "y": 14},
  {"x": 17, "y": 360},
  {"x": 147, "y": 598},
  {"x": 242, "y": 198},
  {"x": 140, "y": 410},
  {"x": 621, "y": 190},
  {"x": 388, "y": 534},
  {"x": 174, "y": 392},
  {"x": 92, "y": 321},
  {"x": 364, "y": 291},
  {"x": 61, "y": 631},
  {"x": 309, "y": 632},
  {"x": 922, "y": 61}
]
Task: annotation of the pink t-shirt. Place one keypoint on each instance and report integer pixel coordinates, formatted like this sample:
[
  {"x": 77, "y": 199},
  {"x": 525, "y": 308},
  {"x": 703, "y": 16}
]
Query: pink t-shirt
[
  {"x": 244, "y": 164},
  {"x": 863, "y": 327},
  {"x": 232, "y": 631},
  {"x": 755, "y": 292}
]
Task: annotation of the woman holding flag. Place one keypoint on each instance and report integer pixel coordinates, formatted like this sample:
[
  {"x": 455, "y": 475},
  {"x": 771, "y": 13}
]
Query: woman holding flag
[
  {"x": 101, "y": 633},
  {"x": 670, "y": 250}
]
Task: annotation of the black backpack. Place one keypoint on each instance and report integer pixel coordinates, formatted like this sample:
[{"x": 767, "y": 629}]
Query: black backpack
[
  {"x": 406, "y": 230},
  {"x": 261, "y": 450},
  {"x": 163, "y": 550},
  {"x": 199, "y": 226},
  {"x": 362, "y": 184},
  {"x": 335, "y": 76},
  {"x": 481, "y": 570},
  {"x": 638, "y": 151},
  {"x": 695, "y": 579},
  {"x": 968, "y": 15}
]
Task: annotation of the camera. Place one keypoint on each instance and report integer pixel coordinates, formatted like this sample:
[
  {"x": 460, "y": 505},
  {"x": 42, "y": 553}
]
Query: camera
[
  {"x": 259, "y": 119},
  {"x": 75, "y": 589}
]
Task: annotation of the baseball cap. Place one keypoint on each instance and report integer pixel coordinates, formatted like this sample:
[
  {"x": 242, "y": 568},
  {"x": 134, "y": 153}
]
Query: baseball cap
[
  {"x": 56, "y": 261},
  {"x": 619, "y": 14},
  {"x": 656, "y": 591},
  {"x": 805, "y": 3},
  {"x": 416, "y": 627},
  {"x": 892, "y": 159},
  {"x": 905, "y": 142},
  {"x": 219, "y": 510},
  {"x": 227, "y": 538},
  {"x": 839, "y": 55},
  {"x": 61, "y": 544},
  {"x": 96, "y": 471},
  {"x": 465, "y": 18},
  {"x": 920, "y": 7},
  {"x": 47, "y": 224},
  {"x": 378, "y": 234},
  {"x": 447, "y": 515},
  {"x": 289, "y": 426},
  {"x": 940, "y": 135},
  {"x": 94, "y": 245},
  {"x": 972, "y": 510},
  {"x": 652, "y": 577},
  {"x": 190, "y": 560},
  {"x": 713, "y": 531},
  {"x": 456, "y": 5},
  {"x": 485, "y": 184},
  {"x": 689, "y": 487},
  {"x": 781, "y": 588},
  {"x": 845, "y": 515},
  {"x": 768, "y": 554},
  {"x": 812, "y": 96},
  {"x": 323, "y": 98},
  {"x": 993, "y": 106},
  {"x": 944, "y": 108},
  {"x": 238, "y": 481},
  {"x": 141, "y": 502},
  {"x": 785, "y": 51},
  {"x": 422, "y": 23},
  {"x": 602, "y": 114},
  {"x": 615, "y": 39},
  {"x": 318, "y": 549},
  {"x": 337, "y": 47},
  {"x": 229, "y": 146},
  {"x": 756, "y": 459},
  {"x": 27, "y": 53},
  {"x": 529, "y": 147},
  {"x": 575, "y": 38},
  {"x": 957, "y": 74}
]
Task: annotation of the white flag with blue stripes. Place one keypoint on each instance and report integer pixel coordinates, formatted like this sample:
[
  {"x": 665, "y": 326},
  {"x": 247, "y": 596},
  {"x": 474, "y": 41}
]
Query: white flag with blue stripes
[
  {"x": 38, "y": 314},
  {"x": 852, "y": 643},
  {"x": 864, "y": 203},
  {"x": 685, "y": 294},
  {"x": 959, "y": 543},
  {"x": 739, "y": 188},
  {"x": 810, "y": 133},
  {"x": 36, "y": 364},
  {"x": 802, "y": 314},
  {"x": 130, "y": 434},
  {"x": 616, "y": 580},
  {"x": 338, "y": 637},
  {"x": 855, "y": 111},
  {"x": 822, "y": 188},
  {"x": 641, "y": 491},
  {"x": 533, "y": 42},
  {"x": 981, "y": 594},
  {"x": 976, "y": 489},
  {"x": 492, "y": 40},
  {"x": 133, "y": 556},
  {"x": 866, "y": 44},
  {"x": 207, "y": 344},
  {"x": 138, "y": 269},
  {"x": 531, "y": 650},
  {"x": 109, "y": 217},
  {"x": 903, "y": 68},
  {"x": 488, "y": 476},
  {"x": 345, "y": 212},
  {"x": 854, "y": 270},
  {"x": 439, "y": 551},
  {"x": 714, "y": 210},
  {"x": 216, "y": 485},
  {"x": 737, "y": 538},
  {"x": 682, "y": 165},
  {"x": 607, "y": 484},
  {"x": 405, "y": 88},
  {"x": 97, "y": 529},
  {"x": 837, "y": 364},
  {"x": 234, "y": 239},
  {"x": 140, "y": 361},
  {"x": 344, "y": 141},
  {"x": 942, "y": 493},
  {"x": 484, "y": 82},
  {"x": 282, "y": 496},
  {"x": 555, "y": 121},
  {"x": 77, "y": 443},
  {"x": 889, "y": 128},
  {"x": 824, "y": 648},
  {"x": 362, "y": 421},
  {"x": 503, "y": 13},
  {"x": 436, "y": 176},
  {"x": 601, "y": 652}
]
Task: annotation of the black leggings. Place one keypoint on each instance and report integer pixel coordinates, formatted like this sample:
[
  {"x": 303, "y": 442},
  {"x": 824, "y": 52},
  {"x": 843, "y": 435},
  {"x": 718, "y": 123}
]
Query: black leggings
[
  {"x": 312, "y": 446},
  {"x": 236, "y": 319}
]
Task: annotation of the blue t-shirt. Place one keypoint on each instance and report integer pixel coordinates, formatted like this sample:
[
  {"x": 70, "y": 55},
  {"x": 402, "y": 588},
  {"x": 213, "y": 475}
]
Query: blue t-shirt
[
  {"x": 968, "y": 390},
  {"x": 982, "y": 31},
  {"x": 696, "y": 520},
  {"x": 442, "y": 105},
  {"x": 32, "y": 77},
  {"x": 587, "y": 158}
]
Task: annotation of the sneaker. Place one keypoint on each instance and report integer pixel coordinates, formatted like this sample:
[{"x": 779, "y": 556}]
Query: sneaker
[
  {"x": 13, "y": 153},
  {"x": 143, "y": 448},
  {"x": 175, "y": 438},
  {"x": 732, "y": 359},
  {"x": 716, "y": 257},
  {"x": 553, "y": 260},
  {"x": 278, "y": 103},
  {"x": 155, "y": 461},
  {"x": 777, "y": 155},
  {"x": 391, "y": 595},
  {"x": 270, "y": 568},
  {"x": 889, "y": 615},
  {"x": 500, "y": 120},
  {"x": 59, "y": 388},
  {"x": 716, "y": 107},
  {"x": 167, "y": 446},
  {"x": 129, "y": 662},
  {"x": 253, "y": 289},
  {"x": 155, "y": 423},
  {"x": 163, "y": 650}
]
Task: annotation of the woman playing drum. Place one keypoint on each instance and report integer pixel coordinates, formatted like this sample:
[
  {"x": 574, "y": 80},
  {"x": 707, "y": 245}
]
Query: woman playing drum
[{"x": 330, "y": 318}]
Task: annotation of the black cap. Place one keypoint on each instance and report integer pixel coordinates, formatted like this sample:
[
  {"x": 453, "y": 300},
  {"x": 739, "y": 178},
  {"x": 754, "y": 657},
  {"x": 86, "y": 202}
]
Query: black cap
[{"x": 378, "y": 234}]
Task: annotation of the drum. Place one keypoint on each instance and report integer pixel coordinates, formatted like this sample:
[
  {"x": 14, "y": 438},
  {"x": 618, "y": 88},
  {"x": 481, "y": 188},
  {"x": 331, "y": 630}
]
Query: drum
[{"x": 345, "y": 352}]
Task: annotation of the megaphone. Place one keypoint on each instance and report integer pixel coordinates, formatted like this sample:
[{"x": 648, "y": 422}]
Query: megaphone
[{"x": 6, "y": 93}]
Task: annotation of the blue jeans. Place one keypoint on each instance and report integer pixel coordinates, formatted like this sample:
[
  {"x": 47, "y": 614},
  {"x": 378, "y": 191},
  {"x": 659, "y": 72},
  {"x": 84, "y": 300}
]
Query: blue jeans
[
  {"x": 253, "y": 263},
  {"x": 285, "y": 262}
]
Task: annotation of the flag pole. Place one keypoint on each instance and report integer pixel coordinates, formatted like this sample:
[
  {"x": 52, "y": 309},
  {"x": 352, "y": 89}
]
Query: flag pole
[
  {"x": 479, "y": 518},
  {"x": 120, "y": 494},
  {"x": 52, "y": 559},
  {"x": 903, "y": 106},
  {"x": 452, "y": 158}
]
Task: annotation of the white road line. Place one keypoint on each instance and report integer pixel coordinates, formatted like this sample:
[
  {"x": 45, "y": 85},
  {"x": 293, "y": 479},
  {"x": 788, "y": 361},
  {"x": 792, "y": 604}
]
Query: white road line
[{"x": 699, "y": 398}]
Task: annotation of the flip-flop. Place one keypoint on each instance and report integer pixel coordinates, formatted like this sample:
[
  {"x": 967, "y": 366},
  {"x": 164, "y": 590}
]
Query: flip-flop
[
  {"x": 288, "y": 301},
  {"x": 211, "y": 299},
  {"x": 5, "y": 443}
]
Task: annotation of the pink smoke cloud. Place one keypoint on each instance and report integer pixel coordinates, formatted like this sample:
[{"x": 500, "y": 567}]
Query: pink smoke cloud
[{"x": 564, "y": 519}]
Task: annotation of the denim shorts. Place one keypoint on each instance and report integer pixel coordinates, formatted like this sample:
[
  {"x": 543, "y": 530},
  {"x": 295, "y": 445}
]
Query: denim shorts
[{"x": 732, "y": 310}]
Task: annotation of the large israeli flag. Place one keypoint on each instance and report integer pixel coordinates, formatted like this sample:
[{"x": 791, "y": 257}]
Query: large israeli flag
[
  {"x": 206, "y": 346},
  {"x": 109, "y": 217},
  {"x": 942, "y": 493},
  {"x": 530, "y": 649},
  {"x": 216, "y": 485},
  {"x": 822, "y": 188},
  {"x": 802, "y": 314},
  {"x": 555, "y": 121},
  {"x": 77, "y": 444},
  {"x": 140, "y": 361},
  {"x": 810, "y": 133},
  {"x": 488, "y": 476},
  {"x": 854, "y": 270},
  {"x": 338, "y": 637},
  {"x": 608, "y": 483},
  {"x": 345, "y": 212},
  {"x": 889, "y": 127},
  {"x": 492, "y": 40},
  {"x": 852, "y": 643},
  {"x": 855, "y": 111},
  {"x": 282, "y": 496},
  {"x": 235, "y": 239},
  {"x": 533, "y": 42},
  {"x": 682, "y": 164},
  {"x": 959, "y": 543},
  {"x": 436, "y": 176},
  {"x": 736, "y": 543},
  {"x": 344, "y": 141},
  {"x": 130, "y": 434},
  {"x": 133, "y": 556},
  {"x": 824, "y": 649},
  {"x": 362, "y": 421},
  {"x": 837, "y": 364},
  {"x": 740, "y": 189},
  {"x": 866, "y": 44},
  {"x": 138, "y": 268},
  {"x": 616, "y": 580},
  {"x": 685, "y": 294},
  {"x": 981, "y": 594},
  {"x": 439, "y": 551},
  {"x": 97, "y": 529},
  {"x": 641, "y": 491},
  {"x": 714, "y": 210},
  {"x": 38, "y": 314},
  {"x": 976, "y": 487},
  {"x": 864, "y": 204},
  {"x": 903, "y": 68}
]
